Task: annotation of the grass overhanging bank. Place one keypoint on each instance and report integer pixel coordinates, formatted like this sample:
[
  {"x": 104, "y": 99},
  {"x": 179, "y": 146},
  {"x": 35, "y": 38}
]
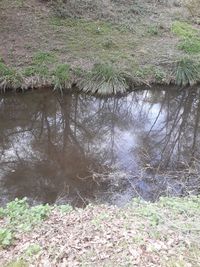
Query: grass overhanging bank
[
  {"x": 103, "y": 48},
  {"x": 165, "y": 233}
]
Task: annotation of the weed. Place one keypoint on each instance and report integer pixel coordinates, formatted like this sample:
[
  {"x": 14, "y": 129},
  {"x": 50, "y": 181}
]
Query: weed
[
  {"x": 159, "y": 75},
  {"x": 104, "y": 80},
  {"x": 6, "y": 237},
  {"x": 19, "y": 218},
  {"x": 186, "y": 72}
]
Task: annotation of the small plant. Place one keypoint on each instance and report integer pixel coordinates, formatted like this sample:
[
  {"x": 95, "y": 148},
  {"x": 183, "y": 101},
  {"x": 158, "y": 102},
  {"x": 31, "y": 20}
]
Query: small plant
[
  {"x": 6, "y": 237},
  {"x": 186, "y": 72},
  {"x": 159, "y": 75},
  {"x": 104, "y": 80}
]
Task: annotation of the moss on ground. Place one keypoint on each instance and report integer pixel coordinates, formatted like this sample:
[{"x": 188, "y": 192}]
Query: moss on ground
[{"x": 165, "y": 233}]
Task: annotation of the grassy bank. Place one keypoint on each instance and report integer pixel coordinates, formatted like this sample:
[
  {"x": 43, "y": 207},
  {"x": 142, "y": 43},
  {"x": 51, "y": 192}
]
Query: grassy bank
[
  {"x": 165, "y": 233},
  {"x": 101, "y": 47}
]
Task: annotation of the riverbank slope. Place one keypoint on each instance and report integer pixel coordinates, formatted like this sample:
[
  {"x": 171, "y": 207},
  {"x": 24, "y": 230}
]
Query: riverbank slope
[{"x": 58, "y": 44}]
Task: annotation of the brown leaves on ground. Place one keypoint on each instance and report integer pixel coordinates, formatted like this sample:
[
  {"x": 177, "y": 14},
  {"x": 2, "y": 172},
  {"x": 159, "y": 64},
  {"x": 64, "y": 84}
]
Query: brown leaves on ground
[{"x": 103, "y": 236}]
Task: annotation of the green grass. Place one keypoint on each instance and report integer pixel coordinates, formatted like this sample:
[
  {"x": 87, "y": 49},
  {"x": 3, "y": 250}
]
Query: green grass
[
  {"x": 190, "y": 37},
  {"x": 97, "y": 40},
  {"x": 191, "y": 46},
  {"x": 45, "y": 66},
  {"x": 40, "y": 65}
]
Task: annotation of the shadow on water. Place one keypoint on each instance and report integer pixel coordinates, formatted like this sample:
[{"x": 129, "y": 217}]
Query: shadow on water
[{"x": 78, "y": 148}]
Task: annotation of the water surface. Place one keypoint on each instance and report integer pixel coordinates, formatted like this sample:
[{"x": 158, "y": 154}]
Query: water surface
[{"x": 78, "y": 149}]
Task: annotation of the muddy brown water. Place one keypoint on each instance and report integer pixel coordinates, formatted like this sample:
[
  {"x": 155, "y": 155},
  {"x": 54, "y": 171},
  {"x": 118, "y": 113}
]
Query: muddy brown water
[{"x": 78, "y": 149}]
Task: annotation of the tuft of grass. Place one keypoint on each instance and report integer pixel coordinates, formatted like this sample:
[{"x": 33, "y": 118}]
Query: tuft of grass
[
  {"x": 61, "y": 76},
  {"x": 190, "y": 37},
  {"x": 186, "y": 72},
  {"x": 9, "y": 78},
  {"x": 104, "y": 79}
]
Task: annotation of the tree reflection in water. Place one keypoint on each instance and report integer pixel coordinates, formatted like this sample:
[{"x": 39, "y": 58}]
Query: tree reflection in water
[{"x": 59, "y": 149}]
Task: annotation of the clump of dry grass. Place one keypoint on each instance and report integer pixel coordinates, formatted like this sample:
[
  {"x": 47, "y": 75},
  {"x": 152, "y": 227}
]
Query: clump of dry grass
[{"x": 104, "y": 79}]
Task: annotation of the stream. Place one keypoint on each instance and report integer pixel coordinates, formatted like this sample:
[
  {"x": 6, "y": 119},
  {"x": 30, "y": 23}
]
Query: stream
[{"x": 79, "y": 149}]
